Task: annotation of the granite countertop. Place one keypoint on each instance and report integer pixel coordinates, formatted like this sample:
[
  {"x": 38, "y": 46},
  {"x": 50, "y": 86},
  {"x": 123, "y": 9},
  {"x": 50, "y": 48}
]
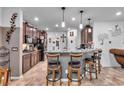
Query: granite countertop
[
  {"x": 29, "y": 52},
  {"x": 74, "y": 51}
]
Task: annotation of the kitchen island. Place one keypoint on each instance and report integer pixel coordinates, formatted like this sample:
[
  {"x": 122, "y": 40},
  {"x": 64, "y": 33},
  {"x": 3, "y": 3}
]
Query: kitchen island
[{"x": 65, "y": 58}]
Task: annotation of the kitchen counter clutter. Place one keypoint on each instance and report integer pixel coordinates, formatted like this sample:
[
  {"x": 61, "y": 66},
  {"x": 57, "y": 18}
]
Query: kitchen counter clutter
[{"x": 30, "y": 58}]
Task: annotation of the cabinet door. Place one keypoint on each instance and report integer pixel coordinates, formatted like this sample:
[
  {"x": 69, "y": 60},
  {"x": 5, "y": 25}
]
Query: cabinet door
[
  {"x": 24, "y": 32},
  {"x": 27, "y": 30},
  {"x": 37, "y": 34},
  {"x": 32, "y": 59},
  {"x": 35, "y": 55},
  {"x": 26, "y": 63},
  {"x": 31, "y": 32},
  {"x": 38, "y": 57}
]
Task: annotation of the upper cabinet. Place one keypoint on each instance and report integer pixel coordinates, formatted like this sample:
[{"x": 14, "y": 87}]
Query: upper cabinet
[
  {"x": 29, "y": 30},
  {"x": 31, "y": 34},
  {"x": 87, "y": 34},
  {"x": 24, "y": 32},
  {"x": 38, "y": 33},
  {"x": 43, "y": 37}
]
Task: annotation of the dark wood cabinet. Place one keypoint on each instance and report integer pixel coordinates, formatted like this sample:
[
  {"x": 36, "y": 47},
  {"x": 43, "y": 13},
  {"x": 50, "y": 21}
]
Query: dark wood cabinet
[
  {"x": 87, "y": 35},
  {"x": 37, "y": 34},
  {"x": 43, "y": 37},
  {"x": 29, "y": 30},
  {"x": 30, "y": 60},
  {"x": 24, "y": 32},
  {"x": 32, "y": 34},
  {"x": 26, "y": 63},
  {"x": 39, "y": 56},
  {"x": 34, "y": 60}
]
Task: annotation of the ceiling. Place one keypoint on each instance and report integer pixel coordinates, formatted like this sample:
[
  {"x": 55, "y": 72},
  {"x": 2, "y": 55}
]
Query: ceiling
[{"x": 49, "y": 16}]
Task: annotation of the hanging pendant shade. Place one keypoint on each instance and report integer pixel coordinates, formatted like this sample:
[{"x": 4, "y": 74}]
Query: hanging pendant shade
[
  {"x": 63, "y": 21},
  {"x": 89, "y": 27},
  {"x": 81, "y": 24}
]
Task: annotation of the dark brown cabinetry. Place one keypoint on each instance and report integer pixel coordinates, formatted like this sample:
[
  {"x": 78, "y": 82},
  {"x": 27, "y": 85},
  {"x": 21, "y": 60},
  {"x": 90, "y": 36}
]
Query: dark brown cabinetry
[
  {"x": 24, "y": 32},
  {"x": 26, "y": 63},
  {"x": 43, "y": 37},
  {"x": 29, "y": 60},
  {"x": 34, "y": 60},
  {"x": 39, "y": 56},
  {"x": 31, "y": 32}
]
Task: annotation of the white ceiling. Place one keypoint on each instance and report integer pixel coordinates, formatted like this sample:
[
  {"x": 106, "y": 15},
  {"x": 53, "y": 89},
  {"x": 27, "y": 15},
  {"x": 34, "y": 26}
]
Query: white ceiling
[{"x": 49, "y": 16}]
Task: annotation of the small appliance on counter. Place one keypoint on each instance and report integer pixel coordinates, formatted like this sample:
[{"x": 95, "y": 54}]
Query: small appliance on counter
[{"x": 28, "y": 47}]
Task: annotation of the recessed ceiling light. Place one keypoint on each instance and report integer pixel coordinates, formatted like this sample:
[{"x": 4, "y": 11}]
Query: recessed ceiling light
[
  {"x": 118, "y": 13},
  {"x": 57, "y": 25},
  {"x": 73, "y": 19},
  {"x": 36, "y": 19},
  {"x": 68, "y": 28},
  {"x": 47, "y": 28}
]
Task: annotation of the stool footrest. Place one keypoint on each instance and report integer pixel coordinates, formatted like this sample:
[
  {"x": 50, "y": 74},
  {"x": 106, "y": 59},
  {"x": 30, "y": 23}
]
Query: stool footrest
[
  {"x": 73, "y": 79},
  {"x": 89, "y": 70},
  {"x": 50, "y": 80}
]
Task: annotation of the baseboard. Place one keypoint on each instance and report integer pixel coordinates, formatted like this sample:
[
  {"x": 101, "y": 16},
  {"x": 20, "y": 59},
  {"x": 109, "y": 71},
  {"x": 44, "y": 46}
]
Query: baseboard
[{"x": 16, "y": 78}]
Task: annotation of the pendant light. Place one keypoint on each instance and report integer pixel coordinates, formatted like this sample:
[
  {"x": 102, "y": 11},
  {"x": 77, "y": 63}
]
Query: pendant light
[
  {"x": 89, "y": 26},
  {"x": 63, "y": 21},
  {"x": 81, "y": 24}
]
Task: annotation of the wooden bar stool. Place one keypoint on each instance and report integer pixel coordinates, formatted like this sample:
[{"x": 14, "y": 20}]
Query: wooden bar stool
[
  {"x": 54, "y": 69},
  {"x": 90, "y": 66},
  {"x": 74, "y": 66},
  {"x": 97, "y": 58},
  {"x": 4, "y": 77}
]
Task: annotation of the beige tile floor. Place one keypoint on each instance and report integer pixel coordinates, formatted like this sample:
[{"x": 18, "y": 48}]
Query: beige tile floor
[{"x": 37, "y": 77}]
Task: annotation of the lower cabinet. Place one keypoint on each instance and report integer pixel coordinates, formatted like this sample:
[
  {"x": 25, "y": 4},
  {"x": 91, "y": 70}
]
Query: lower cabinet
[
  {"x": 34, "y": 60},
  {"x": 29, "y": 60},
  {"x": 26, "y": 64},
  {"x": 38, "y": 56}
]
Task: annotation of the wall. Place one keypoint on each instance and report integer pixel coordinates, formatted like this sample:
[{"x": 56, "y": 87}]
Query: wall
[
  {"x": 15, "y": 41},
  {"x": 72, "y": 45},
  {"x": 0, "y": 27},
  {"x": 6, "y": 12},
  {"x": 67, "y": 41},
  {"x": 0, "y": 16},
  {"x": 1, "y": 37},
  {"x": 53, "y": 36},
  {"x": 108, "y": 59}
]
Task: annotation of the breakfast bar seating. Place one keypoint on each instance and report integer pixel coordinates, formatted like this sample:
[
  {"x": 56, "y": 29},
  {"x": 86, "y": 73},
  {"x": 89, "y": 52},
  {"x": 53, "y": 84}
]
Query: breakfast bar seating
[
  {"x": 99, "y": 60},
  {"x": 90, "y": 66},
  {"x": 74, "y": 66},
  {"x": 54, "y": 69}
]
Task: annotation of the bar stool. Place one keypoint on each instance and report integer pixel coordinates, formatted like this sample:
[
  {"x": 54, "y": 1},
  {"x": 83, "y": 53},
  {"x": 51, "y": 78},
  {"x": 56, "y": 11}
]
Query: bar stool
[
  {"x": 90, "y": 66},
  {"x": 97, "y": 57},
  {"x": 4, "y": 74},
  {"x": 99, "y": 60},
  {"x": 74, "y": 66},
  {"x": 54, "y": 69}
]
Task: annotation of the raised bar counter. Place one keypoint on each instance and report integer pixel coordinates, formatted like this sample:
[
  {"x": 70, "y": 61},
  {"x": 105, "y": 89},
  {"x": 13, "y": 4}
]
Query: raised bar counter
[{"x": 65, "y": 58}]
